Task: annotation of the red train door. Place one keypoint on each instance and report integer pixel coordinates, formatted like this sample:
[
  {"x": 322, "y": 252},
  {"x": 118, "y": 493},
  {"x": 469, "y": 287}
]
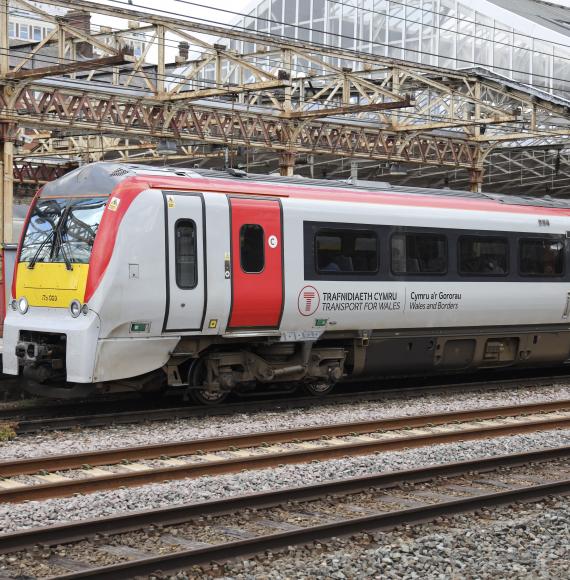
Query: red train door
[{"x": 257, "y": 263}]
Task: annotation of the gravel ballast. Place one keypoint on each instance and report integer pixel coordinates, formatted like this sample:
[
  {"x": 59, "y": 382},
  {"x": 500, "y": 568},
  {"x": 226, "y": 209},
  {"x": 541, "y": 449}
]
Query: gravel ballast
[
  {"x": 91, "y": 439},
  {"x": 517, "y": 542},
  {"x": 34, "y": 514}
]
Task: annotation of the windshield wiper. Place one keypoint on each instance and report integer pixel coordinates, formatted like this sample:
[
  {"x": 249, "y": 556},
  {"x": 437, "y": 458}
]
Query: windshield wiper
[
  {"x": 60, "y": 244},
  {"x": 57, "y": 244},
  {"x": 43, "y": 244}
]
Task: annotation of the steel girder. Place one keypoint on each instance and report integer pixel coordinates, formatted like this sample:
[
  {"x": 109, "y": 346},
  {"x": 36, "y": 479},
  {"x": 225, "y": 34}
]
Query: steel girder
[
  {"x": 273, "y": 95},
  {"x": 47, "y": 107}
]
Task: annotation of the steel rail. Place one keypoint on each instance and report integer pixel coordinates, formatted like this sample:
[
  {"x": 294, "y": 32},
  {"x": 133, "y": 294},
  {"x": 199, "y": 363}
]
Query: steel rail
[
  {"x": 74, "y": 532},
  {"x": 224, "y": 466},
  {"x": 113, "y": 456},
  {"x": 381, "y": 521},
  {"x": 27, "y": 426}
]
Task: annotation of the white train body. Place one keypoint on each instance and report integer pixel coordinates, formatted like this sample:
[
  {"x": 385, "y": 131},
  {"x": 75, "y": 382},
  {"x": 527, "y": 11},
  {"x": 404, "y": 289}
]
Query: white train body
[{"x": 217, "y": 283}]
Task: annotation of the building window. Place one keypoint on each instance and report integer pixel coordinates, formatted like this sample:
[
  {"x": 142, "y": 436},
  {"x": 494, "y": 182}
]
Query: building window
[
  {"x": 318, "y": 9},
  {"x": 37, "y": 32},
  {"x": 185, "y": 254},
  {"x": 252, "y": 256},
  {"x": 346, "y": 250},
  {"x": 419, "y": 254},
  {"x": 483, "y": 256},
  {"x": 541, "y": 257},
  {"x": 12, "y": 30},
  {"x": 502, "y": 50},
  {"x": 24, "y": 32}
]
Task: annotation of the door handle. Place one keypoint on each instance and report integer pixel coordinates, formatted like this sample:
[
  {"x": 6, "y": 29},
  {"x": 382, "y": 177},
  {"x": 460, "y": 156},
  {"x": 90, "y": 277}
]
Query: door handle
[{"x": 567, "y": 307}]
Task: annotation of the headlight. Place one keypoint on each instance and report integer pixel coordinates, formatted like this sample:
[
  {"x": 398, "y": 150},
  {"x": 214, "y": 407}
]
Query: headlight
[
  {"x": 85, "y": 309},
  {"x": 23, "y": 305},
  {"x": 14, "y": 304},
  {"x": 75, "y": 308}
]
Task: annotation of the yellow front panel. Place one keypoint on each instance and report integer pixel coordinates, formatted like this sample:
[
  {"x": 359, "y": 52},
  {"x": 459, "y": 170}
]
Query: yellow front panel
[{"x": 51, "y": 284}]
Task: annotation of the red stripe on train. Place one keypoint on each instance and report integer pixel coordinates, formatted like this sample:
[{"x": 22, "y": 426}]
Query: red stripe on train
[
  {"x": 108, "y": 229},
  {"x": 246, "y": 187}
]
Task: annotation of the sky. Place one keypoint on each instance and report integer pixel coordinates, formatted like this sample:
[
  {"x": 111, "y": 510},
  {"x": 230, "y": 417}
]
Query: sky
[
  {"x": 214, "y": 10},
  {"x": 210, "y": 11}
]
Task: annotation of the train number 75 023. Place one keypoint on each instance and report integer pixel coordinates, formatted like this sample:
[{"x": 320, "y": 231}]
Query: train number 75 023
[{"x": 49, "y": 298}]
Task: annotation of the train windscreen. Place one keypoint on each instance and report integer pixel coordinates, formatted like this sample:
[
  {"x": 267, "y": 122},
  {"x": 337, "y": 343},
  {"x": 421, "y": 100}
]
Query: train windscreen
[{"x": 62, "y": 230}]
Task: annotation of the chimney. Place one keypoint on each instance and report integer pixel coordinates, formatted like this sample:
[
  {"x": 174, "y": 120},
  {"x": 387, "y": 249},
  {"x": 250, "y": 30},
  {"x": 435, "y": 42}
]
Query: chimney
[
  {"x": 81, "y": 21},
  {"x": 183, "y": 50}
]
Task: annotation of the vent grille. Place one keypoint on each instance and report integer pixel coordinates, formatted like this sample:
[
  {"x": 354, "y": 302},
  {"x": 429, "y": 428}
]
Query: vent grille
[{"x": 119, "y": 172}]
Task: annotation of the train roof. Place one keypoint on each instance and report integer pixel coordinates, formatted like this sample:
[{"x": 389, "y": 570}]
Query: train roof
[{"x": 101, "y": 179}]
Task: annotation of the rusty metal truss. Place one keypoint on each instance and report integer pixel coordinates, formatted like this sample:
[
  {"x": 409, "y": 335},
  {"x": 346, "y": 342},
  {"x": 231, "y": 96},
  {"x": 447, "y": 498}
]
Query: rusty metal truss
[
  {"x": 34, "y": 172},
  {"x": 229, "y": 92},
  {"x": 43, "y": 107}
]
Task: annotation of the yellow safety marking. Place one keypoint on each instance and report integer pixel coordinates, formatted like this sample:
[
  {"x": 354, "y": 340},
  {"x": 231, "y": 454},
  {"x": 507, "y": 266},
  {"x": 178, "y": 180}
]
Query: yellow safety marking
[
  {"x": 51, "y": 478},
  {"x": 135, "y": 467},
  {"x": 10, "y": 484},
  {"x": 95, "y": 472},
  {"x": 213, "y": 323},
  {"x": 171, "y": 203},
  {"x": 114, "y": 204},
  {"x": 51, "y": 284}
]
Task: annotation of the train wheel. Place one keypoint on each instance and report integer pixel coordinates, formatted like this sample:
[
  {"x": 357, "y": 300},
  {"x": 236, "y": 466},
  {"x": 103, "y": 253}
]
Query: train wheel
[
  {"x": 197, "y": 376},
  {"x": 205, "y": 397},
  {"x": 319, "y": 389}
]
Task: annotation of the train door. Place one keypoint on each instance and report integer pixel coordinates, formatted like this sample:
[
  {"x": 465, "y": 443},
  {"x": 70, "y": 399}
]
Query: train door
[
  {"x": 257, "y": 263},
  {"x": 185, "y": 251}
]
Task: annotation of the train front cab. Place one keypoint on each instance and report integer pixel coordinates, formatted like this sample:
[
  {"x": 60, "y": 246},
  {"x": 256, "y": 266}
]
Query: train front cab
[{"x": 48, "y": 290}]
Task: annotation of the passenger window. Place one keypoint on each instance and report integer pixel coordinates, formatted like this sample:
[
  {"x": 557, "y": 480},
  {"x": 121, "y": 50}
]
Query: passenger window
[
  {"x": 252, "y": 255},
  {"x": 483, "y": 256},
  {"x": 346, "y": 251},
  {"x": 541, "y": 257},
  {"x": 419, "y": 254},
  {"x": 185, "y": 254}
]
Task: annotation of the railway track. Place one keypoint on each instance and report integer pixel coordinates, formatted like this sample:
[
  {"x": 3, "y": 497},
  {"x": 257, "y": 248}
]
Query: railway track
[
  {"x": 175, "y": 538},
  {"x": 27, "y": 421},
  {"x": 57, "y": 476}
]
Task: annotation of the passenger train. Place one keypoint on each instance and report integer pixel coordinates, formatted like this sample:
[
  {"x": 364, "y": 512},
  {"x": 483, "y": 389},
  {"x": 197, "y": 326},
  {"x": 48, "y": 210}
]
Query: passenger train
[{"x": 140, "y": 278}]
